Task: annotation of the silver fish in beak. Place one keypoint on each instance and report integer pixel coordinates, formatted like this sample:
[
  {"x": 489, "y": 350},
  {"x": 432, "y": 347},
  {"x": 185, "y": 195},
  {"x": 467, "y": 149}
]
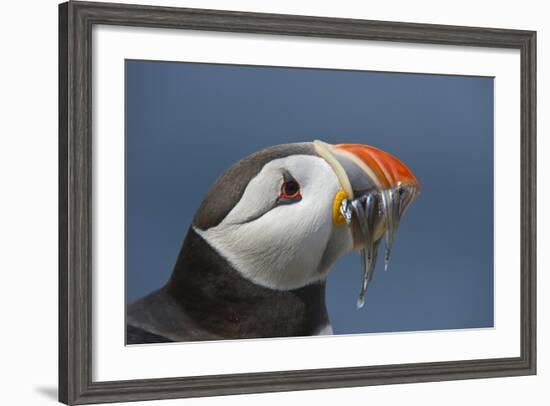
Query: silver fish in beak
[{"x": 377, "y": 188}]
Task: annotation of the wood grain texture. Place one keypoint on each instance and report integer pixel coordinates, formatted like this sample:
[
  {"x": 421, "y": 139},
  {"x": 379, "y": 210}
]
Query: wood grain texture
[
  {"x": 76, "y": 20},
  {"x": 63, "y": 365}
]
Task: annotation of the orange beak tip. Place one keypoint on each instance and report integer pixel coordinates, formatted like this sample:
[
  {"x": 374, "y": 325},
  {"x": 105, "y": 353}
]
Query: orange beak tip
[{"x": 389, "y": 171}]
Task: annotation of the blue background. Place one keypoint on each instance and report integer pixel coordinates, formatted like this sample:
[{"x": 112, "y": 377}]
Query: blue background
[{"x": 186, "y": 123}]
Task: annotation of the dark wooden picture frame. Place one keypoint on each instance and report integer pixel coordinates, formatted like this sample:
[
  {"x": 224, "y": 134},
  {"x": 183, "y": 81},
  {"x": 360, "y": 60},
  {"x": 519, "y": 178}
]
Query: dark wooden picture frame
[{"x": 76, "y": 20}]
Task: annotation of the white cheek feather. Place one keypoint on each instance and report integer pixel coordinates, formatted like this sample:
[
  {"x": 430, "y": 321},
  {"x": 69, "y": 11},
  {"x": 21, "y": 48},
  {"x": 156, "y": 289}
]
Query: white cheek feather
[{"x": 282, "y": 248}]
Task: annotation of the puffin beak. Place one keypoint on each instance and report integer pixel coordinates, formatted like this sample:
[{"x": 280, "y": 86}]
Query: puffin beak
[
  {"x": 376, "y": 189},
  {"x": 362, "y": 169}
]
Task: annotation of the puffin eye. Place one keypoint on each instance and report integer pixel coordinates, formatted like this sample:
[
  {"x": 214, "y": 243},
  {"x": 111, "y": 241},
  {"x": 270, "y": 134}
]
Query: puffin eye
[{"x": 290, "y": 191}]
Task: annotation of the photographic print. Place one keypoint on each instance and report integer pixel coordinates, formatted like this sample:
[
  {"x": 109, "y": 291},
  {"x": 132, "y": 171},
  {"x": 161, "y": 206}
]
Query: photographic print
[{"x": 267, "y": 202}]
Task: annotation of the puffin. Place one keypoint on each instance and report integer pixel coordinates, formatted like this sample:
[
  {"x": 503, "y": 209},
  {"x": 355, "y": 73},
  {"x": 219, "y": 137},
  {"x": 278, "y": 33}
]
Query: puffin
[{"x": 255, "y": 259}]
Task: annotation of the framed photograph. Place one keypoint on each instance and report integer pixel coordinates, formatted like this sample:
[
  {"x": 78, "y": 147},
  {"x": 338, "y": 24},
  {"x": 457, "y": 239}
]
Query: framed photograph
[{"x": 257, "y": 202}]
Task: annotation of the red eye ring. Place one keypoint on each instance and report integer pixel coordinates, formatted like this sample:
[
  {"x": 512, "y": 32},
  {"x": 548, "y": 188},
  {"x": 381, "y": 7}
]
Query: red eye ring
[{"x": 290, "y": 190}]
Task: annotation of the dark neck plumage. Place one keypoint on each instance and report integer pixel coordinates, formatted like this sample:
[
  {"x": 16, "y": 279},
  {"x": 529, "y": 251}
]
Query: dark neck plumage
[{"x": 225, "y": 304}]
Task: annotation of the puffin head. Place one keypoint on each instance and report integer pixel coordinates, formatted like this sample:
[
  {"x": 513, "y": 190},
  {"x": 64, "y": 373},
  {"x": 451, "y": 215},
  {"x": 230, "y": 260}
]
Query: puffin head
[{"x": 282, "y": 216}]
